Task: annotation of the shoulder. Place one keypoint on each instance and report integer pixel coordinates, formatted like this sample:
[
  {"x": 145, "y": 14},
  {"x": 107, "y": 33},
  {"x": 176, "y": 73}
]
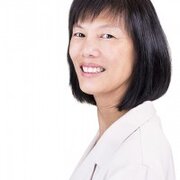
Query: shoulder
[
  {"x": 155, "y": 147},
  {"x": 146, "y": 151},
  {"x": 146, "y": 146}
]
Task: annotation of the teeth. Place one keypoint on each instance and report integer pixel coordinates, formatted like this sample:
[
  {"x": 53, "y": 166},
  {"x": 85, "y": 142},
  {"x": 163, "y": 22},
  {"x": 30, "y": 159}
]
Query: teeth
[{"x": 92, "y": 69}]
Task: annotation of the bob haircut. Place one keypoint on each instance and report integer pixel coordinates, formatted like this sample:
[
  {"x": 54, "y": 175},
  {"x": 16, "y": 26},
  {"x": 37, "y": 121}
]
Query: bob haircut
[{"x": 152, "y": 69}]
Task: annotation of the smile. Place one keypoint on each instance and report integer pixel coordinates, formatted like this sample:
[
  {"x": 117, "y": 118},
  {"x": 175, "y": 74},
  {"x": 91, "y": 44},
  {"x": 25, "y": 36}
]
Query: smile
[{"x": 92, "y": 70}]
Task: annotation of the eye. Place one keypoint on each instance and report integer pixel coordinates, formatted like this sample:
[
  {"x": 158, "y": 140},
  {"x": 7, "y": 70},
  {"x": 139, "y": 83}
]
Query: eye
[
  {"x": 107, "y": 36},
  {"x": 78, "y": 34}
]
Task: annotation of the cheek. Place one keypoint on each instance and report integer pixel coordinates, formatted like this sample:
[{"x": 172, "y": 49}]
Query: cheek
[
  {"x": 74, "y": 53},
  {"x": 72, "y": 50},
  {"x": 123, "y": 61}
]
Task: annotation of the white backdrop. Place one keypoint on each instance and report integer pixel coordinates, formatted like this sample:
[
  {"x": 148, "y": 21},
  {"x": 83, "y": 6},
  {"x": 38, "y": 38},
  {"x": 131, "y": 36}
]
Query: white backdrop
[{"x": 43, "y": 130}]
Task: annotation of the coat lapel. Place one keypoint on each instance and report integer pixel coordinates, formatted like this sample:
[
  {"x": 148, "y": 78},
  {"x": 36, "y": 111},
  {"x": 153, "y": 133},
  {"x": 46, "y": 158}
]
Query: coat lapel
[
  {"x": 90, "y": 147},
  {"x": 119, "y": 131},
  {"x": 86, "y": 167}
]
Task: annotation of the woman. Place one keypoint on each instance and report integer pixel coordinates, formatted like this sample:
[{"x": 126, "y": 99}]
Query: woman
[{"x": 119, "y": 61}]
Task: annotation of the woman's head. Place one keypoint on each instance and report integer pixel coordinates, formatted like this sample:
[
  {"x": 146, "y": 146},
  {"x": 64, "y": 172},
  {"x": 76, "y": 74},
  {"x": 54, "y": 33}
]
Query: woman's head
[{"x": 135, "y": 46}]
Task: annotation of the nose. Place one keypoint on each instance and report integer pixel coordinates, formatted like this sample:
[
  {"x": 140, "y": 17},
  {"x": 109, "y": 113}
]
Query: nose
[{"x": 90, "y": 48}]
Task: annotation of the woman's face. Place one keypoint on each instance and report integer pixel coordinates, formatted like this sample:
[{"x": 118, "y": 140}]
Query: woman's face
[{"x": 103, "y": 55}]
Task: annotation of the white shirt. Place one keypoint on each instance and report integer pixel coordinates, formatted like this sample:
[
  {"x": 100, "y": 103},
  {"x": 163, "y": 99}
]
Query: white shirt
[{"x": 132, "y": 148}]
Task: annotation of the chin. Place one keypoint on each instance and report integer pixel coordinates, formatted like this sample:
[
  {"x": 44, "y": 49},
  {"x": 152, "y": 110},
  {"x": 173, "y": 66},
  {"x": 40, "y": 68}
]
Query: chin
[{"x": 88, "y": 90}]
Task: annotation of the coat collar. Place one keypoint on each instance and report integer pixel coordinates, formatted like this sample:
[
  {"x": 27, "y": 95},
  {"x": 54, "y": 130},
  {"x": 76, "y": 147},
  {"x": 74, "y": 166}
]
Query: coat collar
[{"x": 118, "y": 132}]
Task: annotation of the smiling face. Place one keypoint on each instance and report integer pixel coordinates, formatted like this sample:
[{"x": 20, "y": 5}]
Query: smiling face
[{"x": 103, "y": 56}]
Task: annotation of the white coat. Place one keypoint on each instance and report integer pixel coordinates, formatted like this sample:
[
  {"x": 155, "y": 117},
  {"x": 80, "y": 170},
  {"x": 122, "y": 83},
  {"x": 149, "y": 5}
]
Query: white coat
[{"x": 132, "y": 148}]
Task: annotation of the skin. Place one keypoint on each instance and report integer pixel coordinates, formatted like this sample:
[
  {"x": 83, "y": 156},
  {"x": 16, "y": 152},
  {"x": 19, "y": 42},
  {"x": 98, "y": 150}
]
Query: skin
[{"x": 103, "y": 43}]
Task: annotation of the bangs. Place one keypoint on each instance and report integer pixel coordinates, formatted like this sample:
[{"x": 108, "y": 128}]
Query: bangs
[{"x": 90, "y": 9}]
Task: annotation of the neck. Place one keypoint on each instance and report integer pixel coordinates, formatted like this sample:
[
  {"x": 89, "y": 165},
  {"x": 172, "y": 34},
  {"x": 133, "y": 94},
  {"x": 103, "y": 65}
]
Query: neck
[{"x": 107, "y": 114}]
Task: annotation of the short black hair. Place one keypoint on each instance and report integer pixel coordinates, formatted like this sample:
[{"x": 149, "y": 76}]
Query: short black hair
[{"x": 152, "y": 71}]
